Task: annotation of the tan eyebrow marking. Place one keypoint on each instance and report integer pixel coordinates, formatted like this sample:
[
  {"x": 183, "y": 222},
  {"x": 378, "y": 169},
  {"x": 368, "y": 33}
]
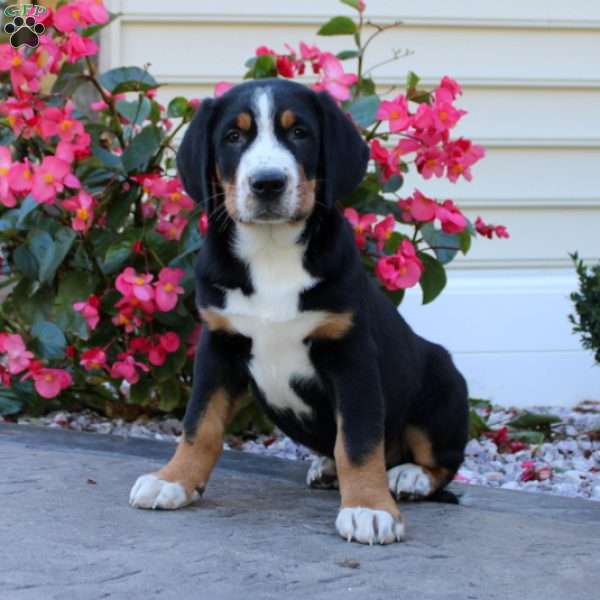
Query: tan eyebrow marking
[
  {"x": 244, "y": 121},
  {"x": 287, "y": 119}
]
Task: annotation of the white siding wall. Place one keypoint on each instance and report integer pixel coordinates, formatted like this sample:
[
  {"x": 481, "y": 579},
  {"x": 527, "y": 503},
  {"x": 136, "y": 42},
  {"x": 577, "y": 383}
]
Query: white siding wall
[{"x": 531, "y": 74}]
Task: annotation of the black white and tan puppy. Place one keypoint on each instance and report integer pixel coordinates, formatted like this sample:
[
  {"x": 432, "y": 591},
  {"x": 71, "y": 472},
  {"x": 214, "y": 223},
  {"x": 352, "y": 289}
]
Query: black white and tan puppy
[{"x": 289, "y": 310}]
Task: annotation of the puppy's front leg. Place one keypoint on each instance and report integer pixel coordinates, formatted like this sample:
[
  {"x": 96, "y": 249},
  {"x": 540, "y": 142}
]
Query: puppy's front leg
[
  {"x": 368, "y": 513},
  {"x": 217, "y": 384}
]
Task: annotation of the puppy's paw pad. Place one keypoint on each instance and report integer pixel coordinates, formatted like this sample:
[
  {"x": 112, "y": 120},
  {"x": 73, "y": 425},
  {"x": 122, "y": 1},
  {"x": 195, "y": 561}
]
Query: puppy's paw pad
[
  {"x": 322, "y": 473},
  {"x": 368, "y": 526},
  {"x": 409, "y": 481},
  {"x": 151, "y": 492}
]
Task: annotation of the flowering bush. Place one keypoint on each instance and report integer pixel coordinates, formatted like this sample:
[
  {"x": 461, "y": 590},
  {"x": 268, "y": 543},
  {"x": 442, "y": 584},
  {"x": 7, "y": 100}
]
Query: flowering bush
[{"x": 98, "y": 237}]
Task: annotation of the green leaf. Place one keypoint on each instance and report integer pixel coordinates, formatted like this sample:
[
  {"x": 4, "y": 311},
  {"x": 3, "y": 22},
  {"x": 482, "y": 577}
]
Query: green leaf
[
  {"x": 464, "y": 239},
  {"x": 445, "y": 245},
  {"x": 263, "y": 68},
  {"x": 51, "y": 342},
  {"x": 117, "y": 255},
  {"x": 352, "y": 3},
  {"x": 28, "y": 206},
  {"x": 346, "y": 54},
  {"x": 110, "y": 160},
  {"x": 393, "y": 184},
  {"x": 25, "y": 262},
  {"x": 433, "y": 279},
  {"x": 169, "y": 392},
  {"x": 338, "y": 26},
  {"x": 135, "y": 111},
  {"x": 120, "y": 206},
  {"x": 419, "y": 96},
  {"x": 477, "y": 425},
  {"x": 141, "y": 392},
  {"x": 412, "y": 80},
  {"x": 69, "y": 78},
  {"x": 43, "y": 248},
  {"x": 8, "y": 406},
  {"x": 536, "y": 421},
  {"x": 75, "y": 286},
  {"x": 363, "y": 110},
  {"x": 396, "y": 296},
  {"x": 178, "y": 107},
  {"x": 366, "y": 86},
  {"x": 142, "y": 148},
  {"x": 127, "y": 79}
]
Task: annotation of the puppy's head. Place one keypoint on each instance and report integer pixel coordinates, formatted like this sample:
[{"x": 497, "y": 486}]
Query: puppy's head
[{"x": 271, "y": 151}]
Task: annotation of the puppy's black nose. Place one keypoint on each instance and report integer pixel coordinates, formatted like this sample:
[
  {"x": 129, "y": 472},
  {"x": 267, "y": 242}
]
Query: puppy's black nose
[{"x": 268, "y": 185}]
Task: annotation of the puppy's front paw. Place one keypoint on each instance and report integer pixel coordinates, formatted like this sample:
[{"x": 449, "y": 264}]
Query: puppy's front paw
[
  {"x": 409, "y": 481},
  {"x": 322, "y": 474},
  {"x": 369, "y": 526},
  {"x": 151, "y": 492}
]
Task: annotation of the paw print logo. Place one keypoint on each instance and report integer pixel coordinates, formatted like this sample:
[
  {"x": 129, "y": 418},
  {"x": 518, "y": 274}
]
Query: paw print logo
[{"x": 24, "y": 32}]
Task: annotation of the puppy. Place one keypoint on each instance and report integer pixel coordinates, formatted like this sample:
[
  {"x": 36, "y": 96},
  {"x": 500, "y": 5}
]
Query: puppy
[{"x": 289, "y": 310}]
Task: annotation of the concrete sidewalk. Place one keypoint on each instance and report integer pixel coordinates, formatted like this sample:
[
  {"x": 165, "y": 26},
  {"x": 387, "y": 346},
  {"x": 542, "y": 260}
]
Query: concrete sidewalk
[{"x": 67, "y": 532}]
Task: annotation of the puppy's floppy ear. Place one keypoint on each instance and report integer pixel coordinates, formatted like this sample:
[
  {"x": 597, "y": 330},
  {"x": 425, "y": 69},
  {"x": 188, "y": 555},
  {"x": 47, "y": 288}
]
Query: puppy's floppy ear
[
  {"x": 195, "y": 160},
  {"x": 344, "y": 154}
]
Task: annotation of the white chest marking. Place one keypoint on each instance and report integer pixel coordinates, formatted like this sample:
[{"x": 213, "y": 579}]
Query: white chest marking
[{"x": 270, "y": 316}]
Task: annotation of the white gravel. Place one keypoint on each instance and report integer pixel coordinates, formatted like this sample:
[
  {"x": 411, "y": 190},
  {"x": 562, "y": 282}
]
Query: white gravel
[{"x": 566, "y": 465}]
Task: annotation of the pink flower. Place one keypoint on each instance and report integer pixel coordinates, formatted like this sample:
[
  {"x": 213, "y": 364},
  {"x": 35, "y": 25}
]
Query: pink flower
[
  {"x": 448, "y": 90},
  {"x": 383, "y": 231},
  {"x": 77, "y": 47},
  {"x": 24, "y": 73},
  {"x": 222, "y": 87},
  {"x": 17, "y": 356},
  {"x": 429, "y": 162},
  {"x": 396, "y": 112},
  {"x": 400, "y": 270},
  {"x": 450, "y": 216},
  {"x": 333, "y": 78},
  {"x": 387, "y": 161},
  {"x": 50, "y": 179},
  {"x": 445, "y": 116},
  {"x": 129, "y": 283},
  {"x": 157, "y": 355},
  {"x": 93, "y": 359},
  {"x": 170, "y": 341},
  {"x": 167, "y": 288},
  {"x": 461, "y": 154},
  {"x": 83, "y": 207},
  {"x": 285, "y": 66},
  {"x": 6, "y": 196},
  {"x": 49, "y": 383},
  {"x": 488, "y": 231},
  {"x": 362, "y": 225},
  {"x": 171, "y": 229},
  {"x": 418, "y": 208},
  {"x": 20, "y": 177},
  {"x": 69, "y": 17},
  {"x": 90, "y": 310},
  {"x": 127, "y": 368},
  {"x": 93, "y": 11}
]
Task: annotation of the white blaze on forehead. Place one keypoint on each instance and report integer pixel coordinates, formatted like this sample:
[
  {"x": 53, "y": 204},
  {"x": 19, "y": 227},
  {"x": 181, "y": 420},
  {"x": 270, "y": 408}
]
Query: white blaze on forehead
[{"x": 266, "y": 152}]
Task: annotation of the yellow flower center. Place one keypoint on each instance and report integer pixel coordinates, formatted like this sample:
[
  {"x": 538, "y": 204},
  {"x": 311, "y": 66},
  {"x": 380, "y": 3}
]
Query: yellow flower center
[
  {"x": 16, "y": 61},
  {"x": 82, "y": 213},
  {"x": 66, "y": 124},
  {"x": 75, "y": 13},
  {"x": 175, "y": 196},
  {"x": 12, "y": 120},
  {"x": 394, "y": 114},
  {"x": 458, "y": 169},
  {"x": 168, "y": 287},
  {"x": 432, "y": 162},
  {"x": 443, "y": 115},
  {"x": 402, "y": 270},
  {"x": 26, "y": 174},
  {"x": 123, "y": 320},
  {"x": 3, "y": 170},
  {"x": 95, "y": 365},
  {"x": 48, "y": 177},
  {"x": 48, "y": 377},
  {"x": 139, "y": 281}
]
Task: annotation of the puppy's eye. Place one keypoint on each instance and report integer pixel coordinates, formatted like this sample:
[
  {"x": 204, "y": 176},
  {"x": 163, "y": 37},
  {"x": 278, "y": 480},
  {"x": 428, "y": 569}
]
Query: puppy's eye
[
  {"x": 299, "y": 133},
  {"x": 234, "y": 136}
]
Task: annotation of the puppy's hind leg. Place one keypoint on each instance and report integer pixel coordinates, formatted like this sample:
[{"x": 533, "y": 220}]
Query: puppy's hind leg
[{"x": 322, "y": 474}]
